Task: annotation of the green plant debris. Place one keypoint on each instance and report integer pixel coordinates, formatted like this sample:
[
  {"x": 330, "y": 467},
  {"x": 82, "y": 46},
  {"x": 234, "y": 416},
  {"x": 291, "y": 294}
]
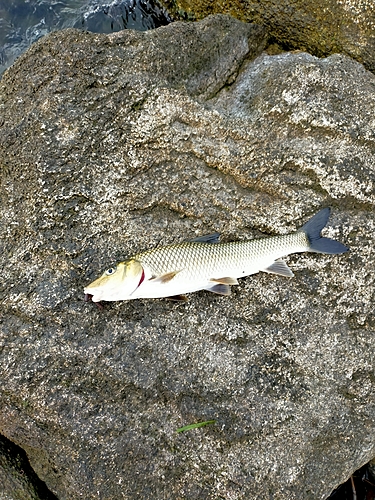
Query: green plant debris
[{"x": 196, "y": 425}]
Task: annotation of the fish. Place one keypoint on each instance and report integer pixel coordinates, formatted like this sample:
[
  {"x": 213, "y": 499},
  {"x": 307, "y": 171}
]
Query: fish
[{"x": 204, "y": 263}]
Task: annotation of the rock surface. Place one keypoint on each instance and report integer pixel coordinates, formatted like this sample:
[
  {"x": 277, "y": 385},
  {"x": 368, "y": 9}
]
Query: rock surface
[
  {"x": 17, "y": 480},
  {"x": 111, "y": 144},
  {"x": 321, "y": 27}
]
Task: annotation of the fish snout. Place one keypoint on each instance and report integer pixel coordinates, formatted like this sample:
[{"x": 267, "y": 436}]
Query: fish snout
[{"x": 91, "y": 294}]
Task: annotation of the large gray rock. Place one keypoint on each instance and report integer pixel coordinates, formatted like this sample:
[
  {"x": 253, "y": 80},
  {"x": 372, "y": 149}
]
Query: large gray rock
[
  {"x": 114, "y": 144},
  {"x": 321, "y": 27}
]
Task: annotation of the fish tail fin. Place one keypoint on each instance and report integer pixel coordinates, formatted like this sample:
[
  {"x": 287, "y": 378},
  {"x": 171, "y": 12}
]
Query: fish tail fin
[{"x": 318, "y": 244}]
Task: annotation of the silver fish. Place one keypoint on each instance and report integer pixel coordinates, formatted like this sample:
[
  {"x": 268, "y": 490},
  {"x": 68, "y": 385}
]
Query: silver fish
[{"x": 205, "y": 264}]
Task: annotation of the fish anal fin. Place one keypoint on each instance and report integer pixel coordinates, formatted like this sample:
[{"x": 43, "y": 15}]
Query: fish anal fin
[
  {"x": 279, "y": 267},
  {"x": 178, "y": 298},
  {"x": 220, "y": 289},
  {"x": 164, "y": 278},
  {"x": 208, "y": 238},
  {"x": 225, "y": 281}
]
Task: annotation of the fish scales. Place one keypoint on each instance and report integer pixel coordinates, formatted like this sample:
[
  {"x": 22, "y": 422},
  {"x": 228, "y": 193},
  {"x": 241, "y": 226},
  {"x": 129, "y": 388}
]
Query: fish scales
[
  {"x": 205, "y": 264},
  {"x": 206, "y": 260}
]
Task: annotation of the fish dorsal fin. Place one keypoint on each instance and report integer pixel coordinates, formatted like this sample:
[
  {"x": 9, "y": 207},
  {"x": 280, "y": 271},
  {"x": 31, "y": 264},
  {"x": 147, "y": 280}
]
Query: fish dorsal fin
[
  {"x": 219, "y": 288},
  {"x": 279, "y": 267},
  {"x": 208, "y": 238},
  {"x": 164, "y": 278},
  {"x": 225, "y": 281}
]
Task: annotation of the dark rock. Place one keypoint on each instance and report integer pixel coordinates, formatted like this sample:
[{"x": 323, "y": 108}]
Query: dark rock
[
  {"x": 114, "y": 144},
  {"x": 17, "y": 480},
  {"x": 321, "y": 27}
]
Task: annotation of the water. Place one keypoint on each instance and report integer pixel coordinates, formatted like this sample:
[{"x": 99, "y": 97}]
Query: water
[{"x": 22, "y": 22}]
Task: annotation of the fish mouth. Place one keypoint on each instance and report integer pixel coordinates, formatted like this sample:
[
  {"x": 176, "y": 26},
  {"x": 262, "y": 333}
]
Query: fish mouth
[
  {"x": 91, "y": 295},
  {"x": 88, "y": 298}
]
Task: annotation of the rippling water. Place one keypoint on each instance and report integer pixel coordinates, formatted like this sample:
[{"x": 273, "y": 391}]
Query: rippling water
[{"x": 22, "y": 22}]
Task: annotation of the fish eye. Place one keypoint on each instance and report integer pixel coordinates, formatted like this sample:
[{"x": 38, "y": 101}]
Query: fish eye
[{"x": 110, "y": 271}]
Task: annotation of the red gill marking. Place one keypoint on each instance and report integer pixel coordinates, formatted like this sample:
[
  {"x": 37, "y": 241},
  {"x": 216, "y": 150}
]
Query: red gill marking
[{"x": 142, "y": 278}]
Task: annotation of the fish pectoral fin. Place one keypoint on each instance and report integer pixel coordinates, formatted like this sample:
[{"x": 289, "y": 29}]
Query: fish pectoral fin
[
  {"x": 219, "y": 288},
  {"x": 178, "y": 298},
  {"x": 208, "y": 238},
  {"x": 164, "y": 278},
  {"x": 225, "y": 281},
  {"x": 279, "y": 267}
]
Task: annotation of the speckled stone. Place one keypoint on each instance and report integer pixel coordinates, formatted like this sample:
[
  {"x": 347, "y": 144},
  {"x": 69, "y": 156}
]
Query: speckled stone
[
  {"x": 113, "y": 144},
  {"x": 320, "y": 27}
]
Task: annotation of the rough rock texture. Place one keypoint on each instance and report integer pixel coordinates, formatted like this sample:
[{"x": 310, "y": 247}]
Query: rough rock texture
[
  {"x": 321, "y": 27},
  {"x": 17, "y": 480},
  {"x": 112, "y": 144}
]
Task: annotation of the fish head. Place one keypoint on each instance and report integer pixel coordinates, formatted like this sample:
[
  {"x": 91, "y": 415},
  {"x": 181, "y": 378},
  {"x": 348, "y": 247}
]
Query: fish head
[{"x": 117, "y": 283}]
